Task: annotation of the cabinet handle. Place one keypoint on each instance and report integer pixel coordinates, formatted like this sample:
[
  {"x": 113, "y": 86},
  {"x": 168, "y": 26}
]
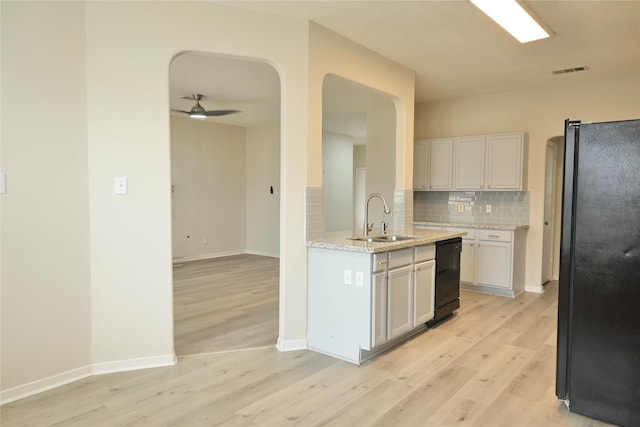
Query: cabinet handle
[
  {"x": 383, "y": 262},
  {"x": 493, "y": 236}
]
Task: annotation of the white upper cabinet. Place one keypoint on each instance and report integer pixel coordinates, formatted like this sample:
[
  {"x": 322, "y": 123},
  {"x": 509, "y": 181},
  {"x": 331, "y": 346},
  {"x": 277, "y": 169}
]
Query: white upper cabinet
[
  {"x": 480, "y": 163},
  {"x": 441, "y": 164},
  {"x": 505, "y": 162},
  {"x": 420, "y": 162},
  {"x": 469, "y": 163}
]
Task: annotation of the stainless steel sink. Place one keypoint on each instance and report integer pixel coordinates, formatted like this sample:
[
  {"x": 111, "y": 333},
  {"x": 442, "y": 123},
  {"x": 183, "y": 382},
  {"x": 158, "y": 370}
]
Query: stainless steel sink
[{"x": 383, "y": 238}]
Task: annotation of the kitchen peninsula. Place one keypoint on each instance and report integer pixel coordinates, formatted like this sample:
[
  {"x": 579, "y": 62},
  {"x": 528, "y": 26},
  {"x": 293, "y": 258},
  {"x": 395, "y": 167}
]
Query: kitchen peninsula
[{"x": 366, "y": 296}]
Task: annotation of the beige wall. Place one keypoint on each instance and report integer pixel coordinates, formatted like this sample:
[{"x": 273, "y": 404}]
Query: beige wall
[
  {"x": 263, "y": 207},
  {"x": 209, "y": 203},
  {"x": 541, "y": 113},
  {"x": 45, "y": 313},
  {"x": 89, "y": 281},
  {"x": 121, "y": 139},
  {"x": 332, "y": 54},
  {"x": 91, "y": 271}
]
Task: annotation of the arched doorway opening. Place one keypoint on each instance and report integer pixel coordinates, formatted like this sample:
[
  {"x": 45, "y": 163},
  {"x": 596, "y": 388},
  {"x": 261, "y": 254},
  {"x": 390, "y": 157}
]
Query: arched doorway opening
[{"x": 225, "y": 173}]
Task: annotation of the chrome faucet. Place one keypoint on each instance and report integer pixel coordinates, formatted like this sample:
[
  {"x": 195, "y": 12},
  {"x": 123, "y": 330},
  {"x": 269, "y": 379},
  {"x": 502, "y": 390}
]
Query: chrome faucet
[{"x": 365, "y": 229}]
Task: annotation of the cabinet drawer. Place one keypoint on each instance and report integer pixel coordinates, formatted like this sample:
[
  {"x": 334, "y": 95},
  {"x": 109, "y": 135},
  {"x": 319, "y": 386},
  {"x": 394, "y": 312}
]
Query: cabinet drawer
[
  {"x": 425, "y": 252},
  {"x": 400, "y": 258},
  {"x": 495, "y": 235},
  {"x": 380, "y": 261}
]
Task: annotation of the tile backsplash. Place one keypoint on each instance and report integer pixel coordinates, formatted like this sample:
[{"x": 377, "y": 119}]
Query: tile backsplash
[
  {"x": 314, "y": 210},
  {"x": 506, "y": 207}
]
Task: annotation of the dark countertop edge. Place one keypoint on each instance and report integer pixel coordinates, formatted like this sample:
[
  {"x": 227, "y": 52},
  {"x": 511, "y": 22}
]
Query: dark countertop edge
[
  {"x": 507, "y": 227},
  {"x": 342, "y": 242}
]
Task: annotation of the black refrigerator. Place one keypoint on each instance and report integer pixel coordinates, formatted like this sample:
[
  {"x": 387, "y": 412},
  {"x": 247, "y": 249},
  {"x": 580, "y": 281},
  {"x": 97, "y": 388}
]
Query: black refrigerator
[{"x": 598, "y": 359}]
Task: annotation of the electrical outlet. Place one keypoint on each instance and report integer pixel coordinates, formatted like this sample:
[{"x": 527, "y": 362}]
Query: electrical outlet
[
  {"x": 487, "y": 208},
  {"x": 359, "y": 278},
  {"x": 460, "y": 207},
  {"x": 347, "y": 277}
]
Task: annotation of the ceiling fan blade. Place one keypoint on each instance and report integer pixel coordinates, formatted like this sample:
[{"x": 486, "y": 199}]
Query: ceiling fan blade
[{"x": 212, "y": 113}]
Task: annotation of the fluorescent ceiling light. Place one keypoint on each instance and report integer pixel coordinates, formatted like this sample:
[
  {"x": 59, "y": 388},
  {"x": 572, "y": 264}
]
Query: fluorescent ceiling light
[{"x": 513, "y": 18}]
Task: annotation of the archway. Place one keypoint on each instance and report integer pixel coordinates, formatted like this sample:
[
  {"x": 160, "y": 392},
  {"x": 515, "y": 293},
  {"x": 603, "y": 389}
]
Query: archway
[{"x": 225, "y": 203}]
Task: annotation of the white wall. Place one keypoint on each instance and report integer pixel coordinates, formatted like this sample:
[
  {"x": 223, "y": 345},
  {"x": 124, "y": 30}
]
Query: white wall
[
  {"x": 45, "y": 294},
  {"x": 337, "y": 160},
  {"x": 541, "y": 113},
  {"x": 263, "y": 207},
  {"x": 209, "y": 202}
]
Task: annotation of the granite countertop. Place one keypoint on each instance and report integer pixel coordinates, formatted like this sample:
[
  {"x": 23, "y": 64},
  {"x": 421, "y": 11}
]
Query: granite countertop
[
  {"x": 508, "y": 227},
  {"x": 341, "y": 241}
]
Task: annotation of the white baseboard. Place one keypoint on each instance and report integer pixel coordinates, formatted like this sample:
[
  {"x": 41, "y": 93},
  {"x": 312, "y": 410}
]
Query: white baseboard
[
  {"x": 133, "y": 364},
  {"x": 534, "y": 289},
  {"x": 178, "y": 260},
  {"x": 291, "y": 345},
  {"x": 261, "y": 253},
  {"x": 44, "y": 384}
]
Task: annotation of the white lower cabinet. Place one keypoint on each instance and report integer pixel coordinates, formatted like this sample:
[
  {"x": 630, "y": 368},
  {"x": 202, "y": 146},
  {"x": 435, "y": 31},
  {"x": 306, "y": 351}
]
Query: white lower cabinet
[
  {"x": 494, "y": 264},
  {"x": 400, "y": 304},
  {"x": 379, "y": 311},
  {"x": 424, "y": 292},
  {"x": 468, "y": 261},
  {"x": 492, "y": 261}
]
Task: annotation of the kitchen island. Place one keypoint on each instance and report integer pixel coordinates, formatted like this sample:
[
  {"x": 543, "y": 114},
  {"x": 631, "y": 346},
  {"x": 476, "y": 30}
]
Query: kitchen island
[{"x": 368, "y": 296}]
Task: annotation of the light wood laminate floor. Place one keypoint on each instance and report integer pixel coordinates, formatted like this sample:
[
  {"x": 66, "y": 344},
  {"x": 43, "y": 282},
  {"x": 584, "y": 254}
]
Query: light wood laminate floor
[
  {"x": 492, "y": 364},
  {"x": 226, "y": 303}
]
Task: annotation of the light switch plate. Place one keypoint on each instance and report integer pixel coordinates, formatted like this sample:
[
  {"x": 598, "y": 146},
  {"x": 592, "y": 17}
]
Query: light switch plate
[{"x": 120, "y": 185}]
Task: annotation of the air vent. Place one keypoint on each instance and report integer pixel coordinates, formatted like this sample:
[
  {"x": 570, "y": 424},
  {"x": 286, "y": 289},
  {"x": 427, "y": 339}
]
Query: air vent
[{"x": 571, "y": 70}]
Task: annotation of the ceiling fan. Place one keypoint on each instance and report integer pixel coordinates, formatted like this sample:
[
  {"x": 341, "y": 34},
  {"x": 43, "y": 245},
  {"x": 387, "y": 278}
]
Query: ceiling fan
[{"x": 198, "y": 111}]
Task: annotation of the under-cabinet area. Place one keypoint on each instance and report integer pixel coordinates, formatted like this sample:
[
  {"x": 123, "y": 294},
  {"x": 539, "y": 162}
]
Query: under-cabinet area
[
  {"x": 493, "y": 257},
  {"x": 367, "y": 297}
]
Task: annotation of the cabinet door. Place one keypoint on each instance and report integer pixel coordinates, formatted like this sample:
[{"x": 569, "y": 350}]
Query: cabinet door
[
  {"x": 420, "y": 172},
  {"x": 468, "y": 261},
  {"x": 494, "y": 264},
  {"x": 441, "y": 164},
  {"x": 469, "y": 163},
  {"x": 505, "y": 161},
  {"x": 423, "y": 292},
  {"x": 379, "y": 309},
  {"x": 400, "y": 301}
]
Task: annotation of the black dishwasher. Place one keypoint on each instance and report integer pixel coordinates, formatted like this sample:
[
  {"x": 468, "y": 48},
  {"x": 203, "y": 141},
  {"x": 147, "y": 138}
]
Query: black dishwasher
[{"x": 447, "y": 285}]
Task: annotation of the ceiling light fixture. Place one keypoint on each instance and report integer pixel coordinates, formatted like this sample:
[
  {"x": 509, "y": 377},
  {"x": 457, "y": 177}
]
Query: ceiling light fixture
[
  {"x": 197, "y": 112},
  {"x": 513, "y": 18}
]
